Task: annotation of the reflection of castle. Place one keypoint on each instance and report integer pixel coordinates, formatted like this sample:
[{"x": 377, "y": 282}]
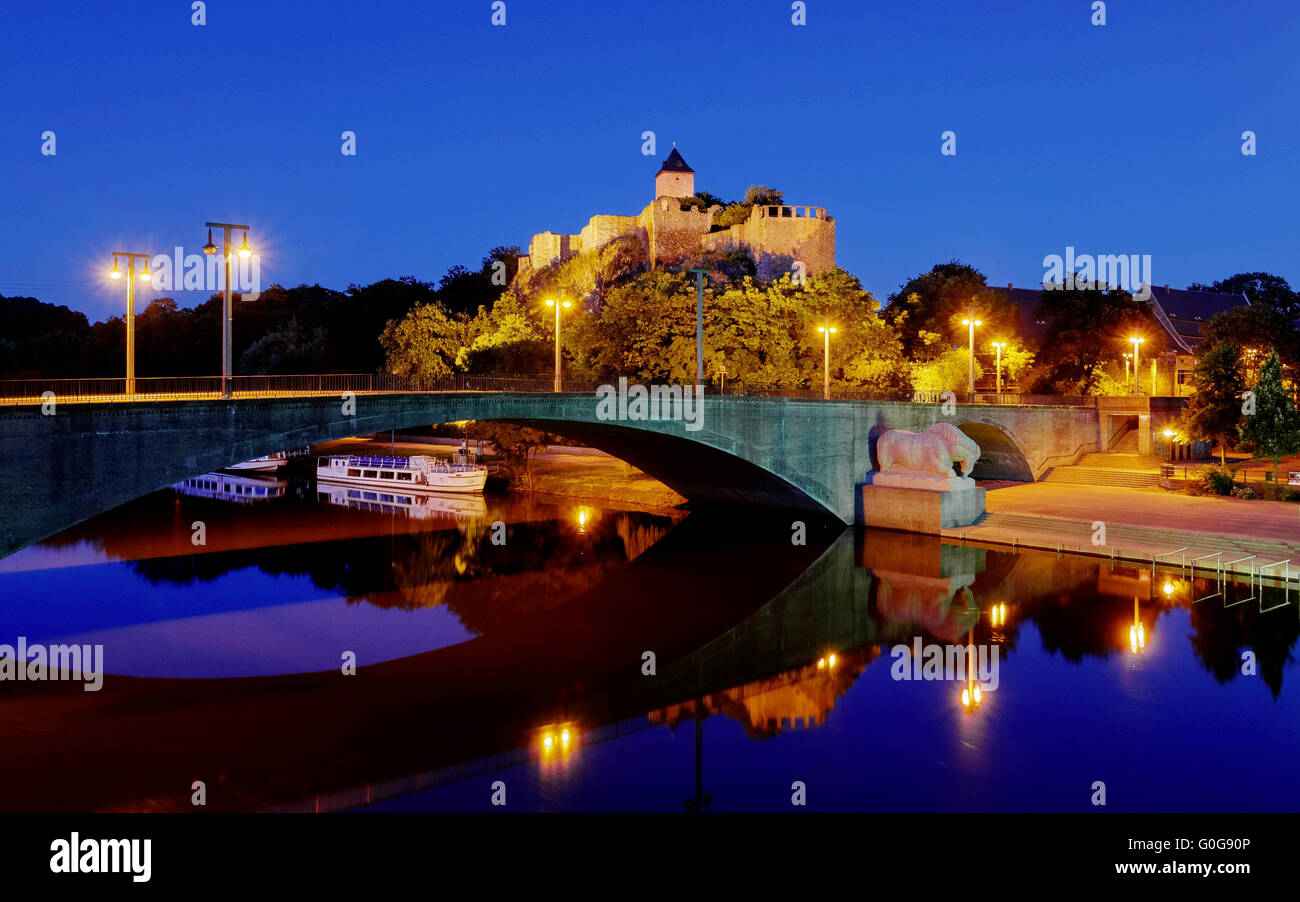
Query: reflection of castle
[
  {"x": 792, "y": 700},
  {"x": 777, "y": 237}
]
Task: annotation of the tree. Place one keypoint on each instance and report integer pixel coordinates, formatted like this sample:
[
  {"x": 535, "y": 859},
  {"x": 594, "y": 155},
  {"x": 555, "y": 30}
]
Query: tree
[
  {"x": 1254, "y": 329},
  {"x": 1089, "y": 327},
  {"x": 1213, "y": 412},
  {"x": 950, "y": 371},
  {"x": 738, "y": 211},
  {"x": 928, "y": 310},
  {"x": 424, "y": 343},
  {"x": 1273, "y": 430},
  {"x": 1262, "y": 289}
]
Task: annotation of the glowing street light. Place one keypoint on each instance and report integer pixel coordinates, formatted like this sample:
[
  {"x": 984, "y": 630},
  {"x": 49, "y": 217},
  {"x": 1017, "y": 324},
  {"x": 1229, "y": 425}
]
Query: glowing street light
[
  {"x": 1137, "y": 374},
  {"x": 131, "y": 276},
  {"x": 566, "y": 305},
  {"x": 972, "y": 322},
  {"x": 227, "y": 314},
  {"x": 998, "y": 346},
  {"x": 827, "y": 330}
]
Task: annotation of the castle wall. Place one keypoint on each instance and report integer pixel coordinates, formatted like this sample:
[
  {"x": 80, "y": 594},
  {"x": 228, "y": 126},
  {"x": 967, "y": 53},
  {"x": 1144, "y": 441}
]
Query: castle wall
[
  {"x": 602, "y": 229},
  {"x": 674, "y": 232},
  {"x": 804, "y": 233},
  {"x": 548, "y": 246}
]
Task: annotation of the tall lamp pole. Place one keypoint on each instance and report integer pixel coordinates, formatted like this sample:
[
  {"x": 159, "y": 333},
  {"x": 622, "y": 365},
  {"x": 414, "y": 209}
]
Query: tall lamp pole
[
  {"x": 227, "y": 314},
  {"x": 998, "y": 346},
  {"x": 699, "y": 329},
  {"x": 827, "y": 330},
  {"x": 566, "y": 305},
  {"x": 130, "y": 307},
  {"x": 1137, "y": 373},
  {"x": 972, "y": 322}
]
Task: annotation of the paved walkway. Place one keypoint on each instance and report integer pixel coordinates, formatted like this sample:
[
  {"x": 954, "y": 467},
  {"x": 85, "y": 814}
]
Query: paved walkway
[{"x": 1139, "y": 523}]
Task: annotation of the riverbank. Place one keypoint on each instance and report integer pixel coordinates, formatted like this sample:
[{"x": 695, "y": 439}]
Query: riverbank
[{"x": 1138, "y": 524}]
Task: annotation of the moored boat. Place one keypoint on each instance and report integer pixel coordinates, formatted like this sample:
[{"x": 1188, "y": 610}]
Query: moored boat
[{"x": 416, "y": 472}]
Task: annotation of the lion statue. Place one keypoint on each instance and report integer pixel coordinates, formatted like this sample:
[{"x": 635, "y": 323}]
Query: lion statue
[{"x": 928, "y": 453}]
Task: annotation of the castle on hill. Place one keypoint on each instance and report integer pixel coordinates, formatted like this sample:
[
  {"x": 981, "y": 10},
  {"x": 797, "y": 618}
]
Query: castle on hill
[{"x": 778, "y": 237}]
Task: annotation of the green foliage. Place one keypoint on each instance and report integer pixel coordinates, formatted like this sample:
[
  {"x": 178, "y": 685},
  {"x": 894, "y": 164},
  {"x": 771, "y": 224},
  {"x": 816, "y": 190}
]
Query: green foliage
[
  {"x": 950, "y": 371},
  {"x": 1214, "y": 481},
  {"x": 1255, "y": 329},
  {"x": 1213, "y": 412},
  {"x": 928, "y": 310},
  {"x": 518, "y": 446},
  {"x": 1264, "y": 290},
  {"x": 738, "y": 211},
  {"x": 1089, "y": 328},
  {"x": 1273, "y": 430},
  {"x": 426, "y": 342}
]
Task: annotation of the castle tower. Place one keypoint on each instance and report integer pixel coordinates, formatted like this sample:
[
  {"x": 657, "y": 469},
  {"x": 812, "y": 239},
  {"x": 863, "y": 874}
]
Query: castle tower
[{"x": 675, "y": 178}]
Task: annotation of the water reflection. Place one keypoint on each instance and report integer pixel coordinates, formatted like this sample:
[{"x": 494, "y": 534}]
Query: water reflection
[{"x": 522, "y": 651}]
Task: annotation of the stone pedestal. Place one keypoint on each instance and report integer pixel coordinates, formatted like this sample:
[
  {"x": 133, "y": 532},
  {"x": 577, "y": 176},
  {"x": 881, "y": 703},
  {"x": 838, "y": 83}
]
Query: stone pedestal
[{"x": 919, "y": 503}]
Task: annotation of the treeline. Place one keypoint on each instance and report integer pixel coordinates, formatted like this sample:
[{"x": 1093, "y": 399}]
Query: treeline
[{"x": 306, "y": 329}]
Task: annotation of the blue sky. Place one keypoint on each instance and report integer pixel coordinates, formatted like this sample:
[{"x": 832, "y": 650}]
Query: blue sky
[{"x": 1123, "y": 138}]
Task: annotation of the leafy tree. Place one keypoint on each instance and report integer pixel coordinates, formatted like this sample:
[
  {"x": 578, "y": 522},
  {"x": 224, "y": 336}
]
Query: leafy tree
[
  {"x": 1262, "y": 289},
  {"x": 950, "y": 371},
  {"x": 1273, "y": 430},
  {"x": 738, "y": 211},
  {"x": 424, "y": 343},
  {"x": 518, "y": 445},
  {"x": 1254, "y": 329},
  {"x": 1213, "y": 412},
  {"x": 1089, "y": 327},
  {"x": 928, "y": 310}
]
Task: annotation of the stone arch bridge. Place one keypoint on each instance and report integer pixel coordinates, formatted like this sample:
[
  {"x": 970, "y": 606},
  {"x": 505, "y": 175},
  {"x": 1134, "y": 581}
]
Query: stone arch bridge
[{"x": 812, "y": 455}]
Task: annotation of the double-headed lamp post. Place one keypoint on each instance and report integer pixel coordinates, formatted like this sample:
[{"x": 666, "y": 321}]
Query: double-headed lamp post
[
  {"x": 998, "y": 346},
  {"x": 131, "y": 276},
  {"x": 566, "y": 305},
  {"x": 1137, "y": 373},
  {"x": 827, "y": 330},
  {"x": 227, "y": 314},
  {"x": 972, "y": 322}
]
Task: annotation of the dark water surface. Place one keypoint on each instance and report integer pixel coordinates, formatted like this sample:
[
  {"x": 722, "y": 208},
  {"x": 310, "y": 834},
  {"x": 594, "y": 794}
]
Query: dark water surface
[{"x": 521, "y": 665}]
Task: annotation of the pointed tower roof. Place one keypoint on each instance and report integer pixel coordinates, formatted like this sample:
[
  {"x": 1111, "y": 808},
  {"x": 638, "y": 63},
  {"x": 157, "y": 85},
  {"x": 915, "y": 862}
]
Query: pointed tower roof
[{"x": 675, "y": 163}]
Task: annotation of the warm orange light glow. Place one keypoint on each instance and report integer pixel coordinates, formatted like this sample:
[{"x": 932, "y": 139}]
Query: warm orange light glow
[
  {"x": 965, "y": 697},
  {"x": 568, "y": 304},
  {"x": 1137, "y": 638},
  {"x": 244, "y": 252},
  {"x": 967, "y": 322},
  {"x": 564, "y": 738},
  {"x": 821, "y": 663},
  {"x": 1169, "y": 433},
  {"x": 548, "y": 740},
  {"x": 144, "y": 276},
  {"x": 830, "y": 661},
  {"x": 115, "y": 273},
  {"x": 1169, "y": 588}
]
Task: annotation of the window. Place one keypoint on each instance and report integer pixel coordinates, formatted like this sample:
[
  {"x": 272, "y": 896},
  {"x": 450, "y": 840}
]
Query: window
[
  {"x": 372, "y": 474},
  {"x": 388, "y": 498},
  {"x": 386, "y": 474},
  {"x": 403, "y": 477},
  {"x": 369, "y": 496},
  {"x": 352, "y": 472},
  {"x": 322, "y": 496},
  {"x": 353, "y": 493},
  {"x": 323, "y": 462}
]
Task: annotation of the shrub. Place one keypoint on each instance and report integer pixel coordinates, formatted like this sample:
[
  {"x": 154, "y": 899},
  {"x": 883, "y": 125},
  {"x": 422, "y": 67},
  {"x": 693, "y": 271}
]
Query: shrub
[
  {"x": 1214, "y": 480},
  {"x": 1244, "y": 491}
]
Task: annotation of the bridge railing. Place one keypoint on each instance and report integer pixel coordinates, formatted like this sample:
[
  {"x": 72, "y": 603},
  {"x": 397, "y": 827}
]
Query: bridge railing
[{"x": 165, "y": 388}]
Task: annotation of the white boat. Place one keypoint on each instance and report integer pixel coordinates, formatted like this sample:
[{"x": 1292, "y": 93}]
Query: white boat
[
  {"x": 422, "y": 505},
  {"x": 270, "y": 461},
  {"x": 417, "y": 472}
]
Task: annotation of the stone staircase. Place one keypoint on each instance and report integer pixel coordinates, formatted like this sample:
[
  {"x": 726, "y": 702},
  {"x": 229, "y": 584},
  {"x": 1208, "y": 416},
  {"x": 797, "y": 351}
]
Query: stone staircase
[{"x": 1121, "y": 466}]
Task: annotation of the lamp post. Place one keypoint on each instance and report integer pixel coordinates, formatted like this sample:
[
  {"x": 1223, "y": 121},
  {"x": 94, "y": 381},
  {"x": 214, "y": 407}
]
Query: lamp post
[
  {"x": 116, "y": 273},
  {"x": 1137, "y": 373},
  {"x": 827, "y": 330},
  {"x": 699, "y": 329},
  {"x": 998, "y": 346},
  {"x": 565, "y": 305},
  {"x": 227, "y": 314},
  {"x": 972, "y": 322}
]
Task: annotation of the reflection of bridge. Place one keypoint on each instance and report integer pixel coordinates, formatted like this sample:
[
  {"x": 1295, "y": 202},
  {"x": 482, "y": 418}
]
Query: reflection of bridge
[{"x": 75, "y": 460}]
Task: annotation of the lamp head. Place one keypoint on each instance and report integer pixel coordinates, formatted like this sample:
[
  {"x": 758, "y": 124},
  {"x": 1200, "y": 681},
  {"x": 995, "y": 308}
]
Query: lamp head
[
  {"x": 244, "y": 251},
  {"x": 144, "y": 276},
  {"x": 567, "y": 304},
  {"x": 209, "y": 248},
  {"x": 115, "y": 273},
  {"x": 550, "y": 303}
]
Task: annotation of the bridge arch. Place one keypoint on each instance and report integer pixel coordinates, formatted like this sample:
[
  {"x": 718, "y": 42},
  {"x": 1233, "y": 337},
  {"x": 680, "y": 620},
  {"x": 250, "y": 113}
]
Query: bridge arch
[{"x": 1001, "y": 456}]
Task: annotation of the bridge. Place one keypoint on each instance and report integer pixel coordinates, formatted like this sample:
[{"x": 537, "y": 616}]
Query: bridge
[{"x": 68, "y": 460}]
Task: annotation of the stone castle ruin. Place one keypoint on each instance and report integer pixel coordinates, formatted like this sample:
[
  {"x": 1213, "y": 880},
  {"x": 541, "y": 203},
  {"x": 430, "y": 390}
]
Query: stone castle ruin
[{"x": 778, "y": 237}]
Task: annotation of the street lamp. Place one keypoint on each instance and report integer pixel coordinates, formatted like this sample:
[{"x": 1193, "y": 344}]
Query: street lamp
[
  {"x": 827, "y": 330},
  {"x": 1137, "y": 374},
  {"x": 131, "y": 276},
  {"x": 972, "y": 322},
  {"x": 227, "y": 314},
  {"x": 998, "y": 346},
  {"x": 566, "y": 305}
]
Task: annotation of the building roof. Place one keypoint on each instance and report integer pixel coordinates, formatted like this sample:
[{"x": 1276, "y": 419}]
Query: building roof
[
  {"x": 674, "y": 163},
  {"x": 1180, "y": 311}
]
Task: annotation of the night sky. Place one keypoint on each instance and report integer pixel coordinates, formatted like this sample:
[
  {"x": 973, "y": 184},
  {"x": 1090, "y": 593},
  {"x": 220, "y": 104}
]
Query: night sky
[{"x": 1124, "y": 138}]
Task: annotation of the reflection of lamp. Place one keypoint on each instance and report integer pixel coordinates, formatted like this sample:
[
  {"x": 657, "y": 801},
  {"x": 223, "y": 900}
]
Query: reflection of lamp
[
  {"x": 1137, "y": 633},
  {"x": 826, "y": 662},
  {"x": 971, "y": 696}
]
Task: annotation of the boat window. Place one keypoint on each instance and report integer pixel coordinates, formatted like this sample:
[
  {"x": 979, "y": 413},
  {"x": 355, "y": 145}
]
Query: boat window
[
  {"x": 323, "y": 462},
  {"x": 369, "y": 496},
  {"x": 388, "y": 498},
  {"x": 402, "y": 499},
  {"x": 404, "y": 477},
  {"x": 353, "y": 493},
  {"x": 372, "y": 474},
  {"x": 386, "y": 474},
  {"x": 354, "y": 472},
  {"x": 322, "y": 496}
]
